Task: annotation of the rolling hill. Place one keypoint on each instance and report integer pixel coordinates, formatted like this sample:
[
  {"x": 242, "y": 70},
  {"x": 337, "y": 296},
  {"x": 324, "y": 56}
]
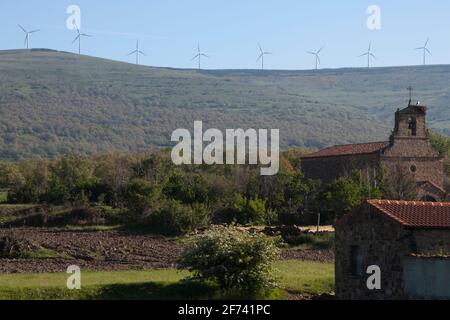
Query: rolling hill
[{"x": 53, "y": 102}]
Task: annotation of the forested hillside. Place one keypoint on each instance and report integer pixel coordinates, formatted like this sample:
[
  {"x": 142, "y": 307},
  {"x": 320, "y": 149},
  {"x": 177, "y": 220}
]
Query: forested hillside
[{"x": 52, "y": 103}]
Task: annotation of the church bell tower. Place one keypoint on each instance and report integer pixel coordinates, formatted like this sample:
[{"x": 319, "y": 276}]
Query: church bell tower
[{"x": 411, "y": 122}]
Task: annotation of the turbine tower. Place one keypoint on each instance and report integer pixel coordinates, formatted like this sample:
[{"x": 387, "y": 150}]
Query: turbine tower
[
  {"x": 137, "y": 52},
  {"x": 369, "y": 55},
  {"x": 78, "y": 37},
  {"x": 316, "y": 54},
  {"x": 425, "y": 51},
  {"x": 27, "y": 35},
  {"x": 199, "y": 56},
  {"x": 261, "y": 56}
]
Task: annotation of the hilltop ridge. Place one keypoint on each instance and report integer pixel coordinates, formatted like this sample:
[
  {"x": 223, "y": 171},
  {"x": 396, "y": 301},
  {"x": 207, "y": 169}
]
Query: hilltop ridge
[{"x": 55, "y": 102}]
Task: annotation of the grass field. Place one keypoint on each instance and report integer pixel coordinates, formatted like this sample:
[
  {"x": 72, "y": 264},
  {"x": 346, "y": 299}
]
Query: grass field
[{"x": 294, "y": 277}]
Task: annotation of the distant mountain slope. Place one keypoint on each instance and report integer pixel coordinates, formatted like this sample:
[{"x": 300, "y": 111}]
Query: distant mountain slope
[{"x": 53, "y": 102}]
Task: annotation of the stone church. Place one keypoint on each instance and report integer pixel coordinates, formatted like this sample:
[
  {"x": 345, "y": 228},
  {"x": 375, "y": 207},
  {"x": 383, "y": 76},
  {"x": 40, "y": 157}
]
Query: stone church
[{"x": 408, "y": 148}]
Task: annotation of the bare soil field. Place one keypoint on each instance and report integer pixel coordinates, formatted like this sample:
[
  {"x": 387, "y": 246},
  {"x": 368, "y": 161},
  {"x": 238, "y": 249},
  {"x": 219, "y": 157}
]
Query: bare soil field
[
  {"x": 110, "y": 251},
  {"x": 96, "y": 250}
]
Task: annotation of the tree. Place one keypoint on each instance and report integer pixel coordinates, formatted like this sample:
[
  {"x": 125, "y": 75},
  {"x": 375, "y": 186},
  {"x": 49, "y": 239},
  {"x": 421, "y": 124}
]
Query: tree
[
  {"x": 440, "y": 142},
  {"x": 340, "y": 197},
  {"x": 139, "y": 195},
  {"x": 11, "y": 176},
  {"x": 399, "y": 184},
  {"x": 174, "y": 218},
  {"x": 113, "y": 170}
]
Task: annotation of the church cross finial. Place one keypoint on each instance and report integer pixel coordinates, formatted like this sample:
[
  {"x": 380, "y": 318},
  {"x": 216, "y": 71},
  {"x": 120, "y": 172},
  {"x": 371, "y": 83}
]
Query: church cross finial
[{"x": 410, "y": 89}]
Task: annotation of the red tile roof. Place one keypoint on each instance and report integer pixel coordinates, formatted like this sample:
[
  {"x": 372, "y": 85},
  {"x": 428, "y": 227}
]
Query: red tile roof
[
  {"x": 349, "y": 149},
  {"x": 413, "y": 214}
]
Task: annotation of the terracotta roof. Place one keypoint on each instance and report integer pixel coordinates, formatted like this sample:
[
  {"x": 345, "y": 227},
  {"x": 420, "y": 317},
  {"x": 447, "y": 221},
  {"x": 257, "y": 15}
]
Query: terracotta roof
[
  {"x": 349, "y": 149},
  {"x": 414, "y": 214}
]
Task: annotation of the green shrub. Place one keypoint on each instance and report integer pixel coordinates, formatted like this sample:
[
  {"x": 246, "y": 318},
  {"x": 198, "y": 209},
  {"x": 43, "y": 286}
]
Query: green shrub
[
  {"x": 174, "y": 218},
  {"x": 246, "y": 211},
  {"x": 234, "y": 259},
  {"x": 139, "y": 195}
]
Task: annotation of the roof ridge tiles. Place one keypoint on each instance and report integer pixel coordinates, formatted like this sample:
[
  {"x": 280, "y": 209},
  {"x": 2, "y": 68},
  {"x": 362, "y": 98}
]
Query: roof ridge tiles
[{"x": 416, "y": 214}]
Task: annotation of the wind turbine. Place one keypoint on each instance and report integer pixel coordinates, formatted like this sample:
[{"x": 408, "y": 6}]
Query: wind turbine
[
  {"x": 261, "y": 56},
  {"x": 425, "y": 51},
  {"x": 27, "y": 35},
  {"x": 137, "y": 52},
  {"x": 369, "y": 55},
  {"x": 78, "y": 37},
  {"x": 316, "y": 54},
  {"x": 199, "y": 55}
]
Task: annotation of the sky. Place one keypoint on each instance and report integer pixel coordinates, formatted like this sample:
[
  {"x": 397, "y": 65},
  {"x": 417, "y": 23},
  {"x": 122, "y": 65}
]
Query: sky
[{"x": 229, "y": 31}]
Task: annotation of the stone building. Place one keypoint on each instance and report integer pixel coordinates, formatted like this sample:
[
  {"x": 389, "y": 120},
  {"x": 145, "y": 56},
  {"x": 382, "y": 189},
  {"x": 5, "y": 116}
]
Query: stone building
[
  {"x": 408, "y": 241},
  {"x": 408, "y": 149}
]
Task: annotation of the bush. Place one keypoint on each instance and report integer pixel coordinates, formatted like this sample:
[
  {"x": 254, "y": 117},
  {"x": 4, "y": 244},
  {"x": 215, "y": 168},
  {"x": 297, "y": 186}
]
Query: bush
[
  {"x": 244, "y": 211},
  {"x": 15, "y": 246},
  {"x": 232, "y": 258},
  {"x": 139, "y": 195},
  {"x": 174, "y": 218}
]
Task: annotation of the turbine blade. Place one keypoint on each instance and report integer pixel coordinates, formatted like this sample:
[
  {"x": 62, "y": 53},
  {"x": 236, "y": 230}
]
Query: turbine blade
[
  {"x": 268, "y": 53},
  {"x": 34, "y": 31},
  {"x": 318, "y": 59},
  {"x": 260, "y": 48},
  {"x": 373, "y": 56},
  {"x": 320, "y": 50},
  {"x": 260, "y": 56},
  {"x": 205, "y": 55},
  {"x": 26, "y": 39},
  {"x": 421, "y": 48},
  {"x": 429, "y": 52},
  {"x": 364, "y": 54},
  {"x": 426, "y": 43},
  {"x": 133, "y": 52},
  {"x": 310, "y": 52},
  {"x": 195, "y": 57},
  {"x": 142, "y": 53},
  {"x": 77, "y": 37},
  {"x": 23, "y": 29},
  {"x": 85, "y": 35}
]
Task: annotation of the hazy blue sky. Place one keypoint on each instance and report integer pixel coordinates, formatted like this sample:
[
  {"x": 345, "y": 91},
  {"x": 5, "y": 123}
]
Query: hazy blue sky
[{"x": 229, "y": 30}]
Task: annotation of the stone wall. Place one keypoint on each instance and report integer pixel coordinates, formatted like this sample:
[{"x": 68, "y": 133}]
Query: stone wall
[
  {"x": 432, "y": 242},
  {"x": 375, "y": 237},
  {"x": 328, "y": 169},
  {"x": 422, "y": 169},
  {"x": 380, "y": 242},
  {"x": 402, "y": 120},
  {"x": 416, "y": 155}
]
